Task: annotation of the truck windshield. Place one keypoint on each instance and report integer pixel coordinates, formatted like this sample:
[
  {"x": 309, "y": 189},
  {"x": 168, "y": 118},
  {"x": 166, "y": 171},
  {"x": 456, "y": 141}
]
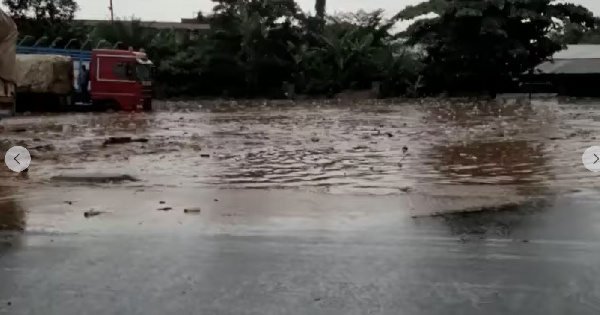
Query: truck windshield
[{"x": 143, "y": 72}]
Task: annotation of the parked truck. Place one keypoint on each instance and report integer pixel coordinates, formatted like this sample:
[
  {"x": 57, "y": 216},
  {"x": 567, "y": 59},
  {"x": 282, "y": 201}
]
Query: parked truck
[
  {"x": 118, "y": 79},
  {"x": 8, "y": 39},
  {"x": 44, "y": 78}
]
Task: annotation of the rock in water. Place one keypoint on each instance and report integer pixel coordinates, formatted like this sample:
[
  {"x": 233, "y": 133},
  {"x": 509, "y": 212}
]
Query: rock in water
[
  {"x": 44, "y": 74},
  {"x": 94, "y": 178},
  {"x": 122, "y": 140}
]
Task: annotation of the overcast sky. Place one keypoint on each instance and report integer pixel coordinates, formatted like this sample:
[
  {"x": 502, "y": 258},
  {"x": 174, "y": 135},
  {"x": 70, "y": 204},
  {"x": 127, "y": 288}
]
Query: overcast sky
[{"x": 173, "y": 10}]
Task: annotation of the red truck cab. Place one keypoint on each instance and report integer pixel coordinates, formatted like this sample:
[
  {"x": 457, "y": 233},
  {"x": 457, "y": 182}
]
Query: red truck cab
[{"x": 120, "y": 79}]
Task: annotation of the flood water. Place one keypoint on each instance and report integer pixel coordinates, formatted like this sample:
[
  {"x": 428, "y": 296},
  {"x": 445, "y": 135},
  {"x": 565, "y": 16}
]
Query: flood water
[
  {"x": 332, "y": 209},
  {"x": 456, "y": 148},
  {"x": 441, "y": 155}
]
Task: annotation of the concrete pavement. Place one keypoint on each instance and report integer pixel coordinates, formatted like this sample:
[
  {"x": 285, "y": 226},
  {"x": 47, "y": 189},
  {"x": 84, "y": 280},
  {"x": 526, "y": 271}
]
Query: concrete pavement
[{"x": 261, "y": 252}]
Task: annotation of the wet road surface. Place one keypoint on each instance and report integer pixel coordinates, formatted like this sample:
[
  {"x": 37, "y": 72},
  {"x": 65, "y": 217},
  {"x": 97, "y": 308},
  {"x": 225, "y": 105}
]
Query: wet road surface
[{"x": 333, "y": 210}]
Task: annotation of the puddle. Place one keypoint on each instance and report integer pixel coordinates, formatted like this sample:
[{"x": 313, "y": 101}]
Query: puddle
[{"x": 12, "y": 216}]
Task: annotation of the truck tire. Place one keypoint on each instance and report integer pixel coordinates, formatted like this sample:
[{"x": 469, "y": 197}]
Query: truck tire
[
  {"x": 14, "y": 106},
  {"x": 110, "y": 105},
  {"x": 147, "y": 107},
  {"x": 64, "y": 103},
  {"x": 7, "y": 107}
]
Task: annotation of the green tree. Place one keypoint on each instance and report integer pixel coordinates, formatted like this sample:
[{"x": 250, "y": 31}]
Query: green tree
[
  {"x": 51, "y": 20},
  {"x": 52, "y": 10},
  {"x": 203, "y": 18},
  {"x": 124, "y": 34},
  {"x": 354, "y": 50},
  {"x": 320, "y": 6},
  {"x": 478, "y": 45},
  {"x": 249, "y": 42},
  {"x": 575, "y": 33}
]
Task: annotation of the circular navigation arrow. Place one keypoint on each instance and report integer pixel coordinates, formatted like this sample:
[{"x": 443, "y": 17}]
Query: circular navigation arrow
[
  {"x": 17, "y": 159},
  {"x": 591, "y": 159}
]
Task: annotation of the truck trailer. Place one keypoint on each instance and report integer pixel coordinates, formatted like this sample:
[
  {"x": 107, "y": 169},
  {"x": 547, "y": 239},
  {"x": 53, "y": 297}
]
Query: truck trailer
[{"x": 8, "y": 40}]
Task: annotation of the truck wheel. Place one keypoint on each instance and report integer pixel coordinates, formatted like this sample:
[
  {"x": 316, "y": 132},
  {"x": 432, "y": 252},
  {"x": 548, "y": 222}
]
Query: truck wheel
[
  {"x": 64, "y": 103},
  {"x": 147, "y": 106},
  {"x": 111, "y": 106}
]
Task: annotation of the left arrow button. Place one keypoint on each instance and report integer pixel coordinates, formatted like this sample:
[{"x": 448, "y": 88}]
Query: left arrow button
[{"x": 17, "y": 159}]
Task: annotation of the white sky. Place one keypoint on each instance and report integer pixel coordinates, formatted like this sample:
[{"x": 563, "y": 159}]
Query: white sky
[{"x": 173, "y": 10}]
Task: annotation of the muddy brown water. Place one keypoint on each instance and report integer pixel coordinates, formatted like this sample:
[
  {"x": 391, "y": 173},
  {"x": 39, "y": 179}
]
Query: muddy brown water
[
  {"x": 326, "y": 208},
  {"x": 456, "y": 150}
]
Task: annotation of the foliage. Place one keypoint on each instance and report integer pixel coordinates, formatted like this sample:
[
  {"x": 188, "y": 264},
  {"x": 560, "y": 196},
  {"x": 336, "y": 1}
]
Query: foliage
[
  {"x": 124, "y": 34},
  {"x": 248, "y": 45},
  {"x": 481, "y": 44},
  {"x": 574, "y": 33},
  {"x": 51, "y": 10},
  {"x": 360, "y": 48},
  {"x": 320, "y": 6},
  {"x": 254, "y": 46},
  {"x": 51, "y": 20}
]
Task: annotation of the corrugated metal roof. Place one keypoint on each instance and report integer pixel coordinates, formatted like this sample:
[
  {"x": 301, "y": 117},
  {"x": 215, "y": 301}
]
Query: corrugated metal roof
[
  {"x": 157, "y": 24},
  {"x": 576, "y": 59},
  {"x": 570, "y": 66},
  {"x": 579, "y": 52}
]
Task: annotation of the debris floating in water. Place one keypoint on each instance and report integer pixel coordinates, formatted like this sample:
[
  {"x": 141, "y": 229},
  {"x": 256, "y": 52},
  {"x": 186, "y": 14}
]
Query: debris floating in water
[
  {"x": 94, "y": 178},
  {"x": 91, "y": 213},
  {"x": 122, "y": 140},
  {"x": 192, "y": 210},
  {"x": 405, "y": 189}
]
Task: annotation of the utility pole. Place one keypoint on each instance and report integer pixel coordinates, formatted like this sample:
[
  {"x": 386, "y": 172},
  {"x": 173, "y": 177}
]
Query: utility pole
[{"x": 112, "y": 11}]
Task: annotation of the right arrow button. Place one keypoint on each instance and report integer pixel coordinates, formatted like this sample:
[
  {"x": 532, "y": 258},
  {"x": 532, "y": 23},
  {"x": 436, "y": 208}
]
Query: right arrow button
[{"x": 591, "y": 159}]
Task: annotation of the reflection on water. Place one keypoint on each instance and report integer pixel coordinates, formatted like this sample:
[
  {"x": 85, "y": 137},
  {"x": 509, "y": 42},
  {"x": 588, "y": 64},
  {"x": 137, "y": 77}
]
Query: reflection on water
[
  {"x": 12, "y": 216},
  {"x": 468, "y": 114},
  {"x": 495, "y": 162},
  {"x": 492, "y": 222}
]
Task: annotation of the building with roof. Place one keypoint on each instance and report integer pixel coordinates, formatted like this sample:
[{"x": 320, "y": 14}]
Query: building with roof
[
  {"x": 574, "y": 71},
  {"x": 187, "y": 28},
  {"x": 185, "y": 24}
]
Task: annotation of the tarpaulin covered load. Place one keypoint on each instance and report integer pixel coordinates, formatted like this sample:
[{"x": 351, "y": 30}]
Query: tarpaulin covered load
[
  {"x": 8, "y": 41},
  {"x": 44, "y": 74}
]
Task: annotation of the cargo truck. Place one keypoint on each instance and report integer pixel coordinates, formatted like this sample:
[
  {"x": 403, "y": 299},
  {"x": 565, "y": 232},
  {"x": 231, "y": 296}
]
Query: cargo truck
[
  {"x": 8, "y": 40},
  {"x": 44, "y": 78},
  {"x": 118, "y": 79}
]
